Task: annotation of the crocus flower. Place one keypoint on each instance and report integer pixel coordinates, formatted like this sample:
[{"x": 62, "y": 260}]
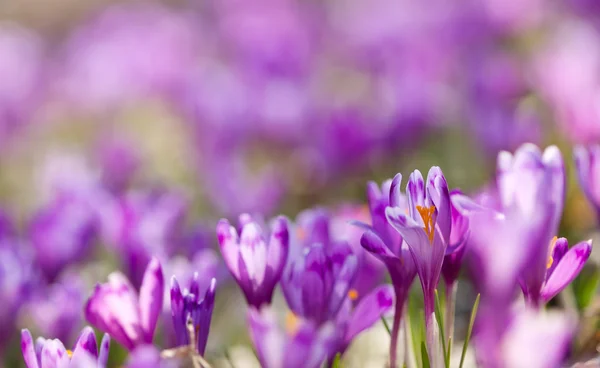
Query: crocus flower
[
  {"x": 369, "y": 310},
  {"x": 142, "y": 225},
  {"x": 384, "y": 242},
  {"x": 587, "y": 163},
  {"x": 52, "y": 353},
  {"x": 426, "y": 229},
  {"x": 563, "y": 266},
  {"x": 302, "y": 345},
  {"x": 116, "y": 307},
  {"x": 531, "y": 186},
  {"x": 255, "y": 264},
  {"x": 188, "y": 304},
  {"x": 317, "y": 283},
  {"x": 537, "y": 339},
  {"x": 62, "y": 233}
]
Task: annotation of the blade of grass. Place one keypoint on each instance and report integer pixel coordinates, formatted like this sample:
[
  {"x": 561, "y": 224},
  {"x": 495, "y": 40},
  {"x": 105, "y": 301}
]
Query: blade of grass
[
  {"x": 387, "y": 326},
  {"x": 440, "y": 321},
  {"x": 469, "y": 331},
  {"x": 424, "y": 356},
  {"x": 448, "y": 351}
]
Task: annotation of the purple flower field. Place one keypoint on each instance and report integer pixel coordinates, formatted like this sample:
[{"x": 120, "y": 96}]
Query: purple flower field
[{"x": 299, "y": 184}]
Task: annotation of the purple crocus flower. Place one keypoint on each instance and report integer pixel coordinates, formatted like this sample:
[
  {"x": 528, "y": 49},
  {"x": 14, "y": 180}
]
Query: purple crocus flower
[
  {"x": 255, "y": 264},
  {"x": 459, "y": 234},
  {"x": 351, "y": 321},
  {"x": 426, "y": 229},
  {"x": 52, "y": 353},
  {"x": 116, "y": 308},
  {"x": 62, "y": 233},
  {"x": 385, "y": 243},
  {"x": 317, "y": 283},
  {"x": 188, "y": 304},
  {"x": 587, "y": 163},
  {"x": 531, "y": 186},
  {"x": 144, "y": 224},
  {"x": 302, "y": 345},
  {"x": 537, "y": 339},
  {"x": 563, "y": 266}
]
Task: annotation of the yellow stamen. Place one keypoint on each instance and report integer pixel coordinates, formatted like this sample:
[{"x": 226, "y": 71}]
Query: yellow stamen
[
  {"x": 70, "y": 353},
  {"x": 291, "y": 323},
  {"x": 353, "y": 294},
  {"x": 551, "y": 251},
  {"x": 427, "y": 216}
]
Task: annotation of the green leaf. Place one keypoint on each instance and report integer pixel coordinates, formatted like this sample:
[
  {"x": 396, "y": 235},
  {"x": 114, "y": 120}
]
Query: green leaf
[
  {"x": 585, "y": 286},
  {"x": 469, "y": 331},
  {"x": 337, "y": 361},
  {"x": 386, "y": 324},
  {"x": 440, "y": 321},
  {"x": 424, "y": 356}
]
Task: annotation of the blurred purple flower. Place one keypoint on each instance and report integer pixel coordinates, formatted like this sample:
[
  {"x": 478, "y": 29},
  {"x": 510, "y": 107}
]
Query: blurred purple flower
[
  {"x": 426, "y": 229},
  {"x": 188, "y": 304},
  {"x": 21, "y": 70},
  {"x": 52, "y": 353},
  {"x": 148, "y": 356},
  {"x": 531, "y": 186},
  {"x": 537, "y": 339},
  {"x": 316, "y": 284},
  {"x": 106, "y": 67},
  {"x": 587, "y": 163},
  {"x": 62, "y": 233},
  {"x": 141, "y": 225},
  {"x": 119, "y": 160},
  {"x": 370, "y": 270},
  {"x": 56, "y": 309},
  {"x": 302, "y": 345},
  {"x": 369, "y": 310},
  {"x": 17, "y": 279},
  {"x": 116, "y": 307},
  {"x": 206, "y": 263},
  {"x": 256, "y": 265},
  {"x": 459, "y": 235}
]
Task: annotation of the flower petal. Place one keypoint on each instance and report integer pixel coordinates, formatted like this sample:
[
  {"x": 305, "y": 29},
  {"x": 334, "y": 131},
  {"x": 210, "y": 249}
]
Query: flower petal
[
  {"x": 567, "y": 269},
  {"x": 415, "y": 193},
  {"x": 54, "y": 355},
  {"x": 372, "y": 243},
  {"x": 229, "y": 244},
  {"x": 369, "y": 310},
  {"x": 152, "y": 293},
  {"x": 277, "y": 253},
  {"x": 395, "y": 194},
  {"x": 86, "y": 344},
  {"x": 104, "y": 350},
  {"x": 28, "y": 349}
]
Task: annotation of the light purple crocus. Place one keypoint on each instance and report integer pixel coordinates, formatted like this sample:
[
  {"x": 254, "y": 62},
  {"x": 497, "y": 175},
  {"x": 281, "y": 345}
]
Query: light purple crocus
[
  {"x": 426, "y": 229},
  {"x": 351, "y": 321},
  {"x": 188, "y": 304},
  {"x": 385, "y": 243},
  {"x": 47, "y": 353},
  {"x": 301, "y": 345},
  {"x": 531, "y": 185},
  {"x": 317, "y": 283},
  {"x": 116, "y": 307},
  {"x": 587, "y": 163},
  {"x": 255, "y": 264}
]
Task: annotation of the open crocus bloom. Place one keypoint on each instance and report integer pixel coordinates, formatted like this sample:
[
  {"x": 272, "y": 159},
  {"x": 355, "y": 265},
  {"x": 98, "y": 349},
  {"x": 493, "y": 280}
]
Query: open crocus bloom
[
  {"x": 116, "y": 307},
  {"x": 563, "y": 266},
  {"x": 52, "y": 353}
]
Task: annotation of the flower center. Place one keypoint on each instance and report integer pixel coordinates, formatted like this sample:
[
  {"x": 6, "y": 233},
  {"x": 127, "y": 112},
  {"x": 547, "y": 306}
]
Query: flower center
[
  {"x": 427, "y": 216},
  {"x": 70, "y": 353},
  {"x": 353, "y": 294},
  {"x": 551, "y": 251}
]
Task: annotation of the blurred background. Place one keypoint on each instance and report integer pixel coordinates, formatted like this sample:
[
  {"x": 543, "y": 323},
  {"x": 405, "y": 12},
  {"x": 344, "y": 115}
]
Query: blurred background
[{"x": 127, "y": 128}]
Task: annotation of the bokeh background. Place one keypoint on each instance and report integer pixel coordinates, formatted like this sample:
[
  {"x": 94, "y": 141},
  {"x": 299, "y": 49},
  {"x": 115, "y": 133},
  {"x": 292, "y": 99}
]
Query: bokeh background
[{"x": 131, "y": 127}]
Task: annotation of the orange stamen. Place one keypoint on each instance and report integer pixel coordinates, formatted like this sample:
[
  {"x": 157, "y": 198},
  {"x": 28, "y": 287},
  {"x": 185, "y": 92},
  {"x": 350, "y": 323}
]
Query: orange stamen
[
  {"x": 551, "y": 251},
  {"x": 291, "y": 323},
  {"x": 70, "y": 353},
  {"x": 427, "y": 216},
  {"x": 353, "y": 294}
]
